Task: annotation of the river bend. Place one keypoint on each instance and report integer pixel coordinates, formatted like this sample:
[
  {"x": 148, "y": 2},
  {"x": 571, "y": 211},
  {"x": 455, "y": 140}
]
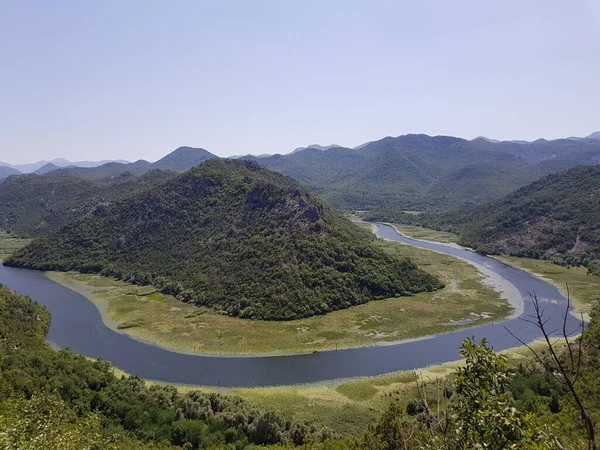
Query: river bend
[{"x": 76, "y": 323}]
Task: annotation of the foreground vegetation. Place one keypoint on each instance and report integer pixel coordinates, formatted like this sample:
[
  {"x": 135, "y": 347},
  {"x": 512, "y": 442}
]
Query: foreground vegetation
[
  {"x": 51, "y": 399},
  {"x": 149, "y": 315},
  {"x": 236, "y": 237}
]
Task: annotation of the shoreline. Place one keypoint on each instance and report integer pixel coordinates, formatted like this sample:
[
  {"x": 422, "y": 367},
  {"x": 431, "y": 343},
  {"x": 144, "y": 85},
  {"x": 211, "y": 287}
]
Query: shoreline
[
  {"x": 506, "y": 291},
  {"x": 65, "y": 281},
  {"x": 511, "y": 293}
]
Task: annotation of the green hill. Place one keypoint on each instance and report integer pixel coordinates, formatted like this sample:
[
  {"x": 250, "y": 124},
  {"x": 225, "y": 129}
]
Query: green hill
[
  {"x": 417, "y": 171},
  {"x": 236, "y": 237},
  {"x": 183, "y": 158},
  {"x": 555, "y": 217},
  {"x": 31, "y": 205}
]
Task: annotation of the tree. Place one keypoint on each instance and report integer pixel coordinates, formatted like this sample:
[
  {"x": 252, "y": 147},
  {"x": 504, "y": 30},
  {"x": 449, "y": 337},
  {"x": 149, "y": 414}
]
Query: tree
[{"x": 565, "y": 369}]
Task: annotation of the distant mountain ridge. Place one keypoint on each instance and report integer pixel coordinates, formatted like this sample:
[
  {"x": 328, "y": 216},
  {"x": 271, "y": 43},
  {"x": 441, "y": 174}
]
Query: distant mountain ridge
[
  {"x": 58, "y": 162},
  {"x": 418, "y": 171},
  {"x": 413, "y": 171},
  {"x": 316, "y": 147},
  {"x": 6, "y": 172}
]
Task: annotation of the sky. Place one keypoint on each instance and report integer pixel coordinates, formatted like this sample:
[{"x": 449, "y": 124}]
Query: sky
[{"x": 137, "y": 79}]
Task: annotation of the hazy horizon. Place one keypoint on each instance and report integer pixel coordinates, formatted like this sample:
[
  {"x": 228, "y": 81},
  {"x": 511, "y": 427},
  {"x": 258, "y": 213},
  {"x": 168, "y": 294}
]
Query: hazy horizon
[{"x": 136, "y": 80}]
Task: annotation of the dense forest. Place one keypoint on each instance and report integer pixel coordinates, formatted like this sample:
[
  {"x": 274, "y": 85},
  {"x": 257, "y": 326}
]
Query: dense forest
[
  {"x": 57, "y": 399},
  {"x": 234, "y": 236},
  {"x": 555, "y": 218}
]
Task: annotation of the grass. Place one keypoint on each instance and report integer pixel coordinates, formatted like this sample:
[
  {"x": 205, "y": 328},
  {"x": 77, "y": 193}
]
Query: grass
[
  {"x": 425, "y": 234},
  {"x": 584, "y": 287},
  {"x": 161, "y": 319},
  {"x": 348, "y": 407},
  {"x": 9, "y": 244}
]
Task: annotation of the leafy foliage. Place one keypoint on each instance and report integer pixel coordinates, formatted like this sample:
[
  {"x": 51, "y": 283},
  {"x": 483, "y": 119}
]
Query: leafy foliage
[
  {"x": 52, "y": 399},
  {"x": 236, "y": 237}
]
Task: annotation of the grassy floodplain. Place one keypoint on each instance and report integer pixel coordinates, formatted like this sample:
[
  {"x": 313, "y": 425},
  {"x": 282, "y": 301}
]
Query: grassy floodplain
[
  {"x": 151, "y": 316},
  {"x": 10, "y": 244},
  {"x": 584, "y": 287},
  {"x": 425, "y": 234}
]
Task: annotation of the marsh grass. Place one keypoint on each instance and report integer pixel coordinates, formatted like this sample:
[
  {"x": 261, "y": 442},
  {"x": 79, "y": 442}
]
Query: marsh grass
[
  {"x": 425, "y": 234},
  {"x": 584, "y": 287},
  {"x": 161, "y": 319},
  {"x": 348, "y": 407},
  {"x": 9, "y": 244}
]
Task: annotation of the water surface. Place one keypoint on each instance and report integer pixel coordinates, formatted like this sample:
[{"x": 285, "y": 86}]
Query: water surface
[{"x": 76, "y": 323}]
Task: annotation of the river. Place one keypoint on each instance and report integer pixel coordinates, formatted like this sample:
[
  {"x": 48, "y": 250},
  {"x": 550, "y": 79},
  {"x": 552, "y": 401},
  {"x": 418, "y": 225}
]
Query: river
[{"x": 77, "y": 324}]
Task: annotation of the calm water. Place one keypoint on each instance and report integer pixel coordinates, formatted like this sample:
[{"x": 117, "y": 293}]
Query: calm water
[{"x": 76, "y": 323}]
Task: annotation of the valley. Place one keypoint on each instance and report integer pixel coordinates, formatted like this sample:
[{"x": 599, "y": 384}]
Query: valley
[{"x": 300, "y": 225}]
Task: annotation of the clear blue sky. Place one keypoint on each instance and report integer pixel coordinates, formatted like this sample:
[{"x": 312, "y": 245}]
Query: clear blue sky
[{"x": 136, "y": 79}]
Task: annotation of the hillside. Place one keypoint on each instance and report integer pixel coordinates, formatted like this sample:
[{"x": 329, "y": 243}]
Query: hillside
[
  {"x": 31, "y": 205},
  {"x": 555, "y": 217},
  {"x": 6, "y": 172},
  {"x": 183, "y": 158},
  {"x": 428, "y": 172},
  {"x": 234, "y": 236}
]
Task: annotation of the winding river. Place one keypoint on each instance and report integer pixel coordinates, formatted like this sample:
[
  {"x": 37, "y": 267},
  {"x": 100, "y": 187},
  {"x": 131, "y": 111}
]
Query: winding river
[{"x": 76, "y": 323}]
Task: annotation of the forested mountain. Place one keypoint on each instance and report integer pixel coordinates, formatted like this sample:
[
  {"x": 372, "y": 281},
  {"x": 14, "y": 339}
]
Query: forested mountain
[
  {"x": 424, "y": 172},
  {"x": 6, "y": 172},
  {"x": 183, "y": 158},
  {"x": 31, "y": 204},
  {"x": 46, "y": 168},
  {"x": 180, "y": 160},
  {"x": 234, "y": 236},
  {"x": 413, "y": 171},
  {"x": 556, "y": 218}
]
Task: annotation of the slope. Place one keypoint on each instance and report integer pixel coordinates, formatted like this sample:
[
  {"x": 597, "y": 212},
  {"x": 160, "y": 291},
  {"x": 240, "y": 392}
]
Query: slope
[
  {"x": 31, "y": 205},
  {"x": 417, "y": 171},
  {"x": 556, "y": 217},
  {"x": 234, "y": 236},
  {"x": 6, "y": 172}
]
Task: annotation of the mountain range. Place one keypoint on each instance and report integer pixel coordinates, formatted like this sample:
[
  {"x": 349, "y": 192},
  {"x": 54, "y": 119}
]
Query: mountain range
[
  {"x": 413, "y": 171},
  {"x": 58, "y": 162},
  {"x": 428, "y": 172}
]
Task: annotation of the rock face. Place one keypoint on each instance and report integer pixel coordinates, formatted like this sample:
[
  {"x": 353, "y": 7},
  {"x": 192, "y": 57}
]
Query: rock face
[{"x": 234, "y": 236}]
